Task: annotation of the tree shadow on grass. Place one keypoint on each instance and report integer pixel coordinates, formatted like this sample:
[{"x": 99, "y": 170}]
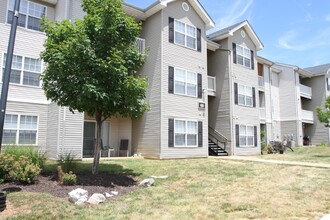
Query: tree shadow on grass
[
  {"x": 109, "y": 175},
  {"x": 321, "y": 155}
]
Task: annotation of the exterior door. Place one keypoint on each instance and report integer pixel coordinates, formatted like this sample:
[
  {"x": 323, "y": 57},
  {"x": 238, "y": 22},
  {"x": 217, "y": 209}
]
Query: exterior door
[{"x": 89, "y": 136}]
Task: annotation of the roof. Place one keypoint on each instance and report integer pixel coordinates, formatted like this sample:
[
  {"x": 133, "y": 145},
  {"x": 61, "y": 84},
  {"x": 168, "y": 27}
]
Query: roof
[
  {"x": 300, "y": 71},
  {"x": 229, "y": 31},
  {"x": 318, "y": 70},
  {"x": 143, "y": 14}
]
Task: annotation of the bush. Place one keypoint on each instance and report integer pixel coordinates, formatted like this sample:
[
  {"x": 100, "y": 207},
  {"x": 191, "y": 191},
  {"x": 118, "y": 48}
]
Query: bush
[
  {"x": 67, "y": 162},
  {"x": 24, "y": 170},
  {"x": 69, "y": 179},
  {"x": 28, "y": 151},
  {"x": 6, "y": 164}
]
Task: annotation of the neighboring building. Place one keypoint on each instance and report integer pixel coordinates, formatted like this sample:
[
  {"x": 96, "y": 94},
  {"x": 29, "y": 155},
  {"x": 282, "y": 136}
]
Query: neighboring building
[
  {"x": 320, "y": 85},
  {"x": 207, "y": 94}
]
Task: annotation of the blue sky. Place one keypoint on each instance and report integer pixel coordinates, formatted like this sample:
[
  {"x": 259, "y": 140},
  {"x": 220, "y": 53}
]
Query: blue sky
[{"x": 293, "y": 31}]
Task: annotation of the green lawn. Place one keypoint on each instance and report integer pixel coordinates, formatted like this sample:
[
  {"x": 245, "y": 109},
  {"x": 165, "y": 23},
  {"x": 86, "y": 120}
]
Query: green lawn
[{"x": 199, "y": 189}]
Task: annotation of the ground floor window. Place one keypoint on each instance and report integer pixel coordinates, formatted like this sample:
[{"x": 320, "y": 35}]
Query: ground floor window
[
  {"x": 20, "y": 129},
  {"x": 185, "y": 133},
  {"x": 246, "y": 136}
]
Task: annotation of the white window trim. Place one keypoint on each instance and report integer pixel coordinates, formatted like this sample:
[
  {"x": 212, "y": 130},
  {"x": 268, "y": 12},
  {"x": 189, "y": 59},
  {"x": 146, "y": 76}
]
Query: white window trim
[
  {"x": 244, "y": 57},
  {"x": 185, "y": 34},
  {"x": 2, "y": 65},
  {"x": 246, "y": 136},
  {"x": 245, "y": 95},
  {"x": 186, "y": 134},
  {"x": 174, "y": 80},
  {"x": 26, "y": 22},
  {"x": 18, "y": 128}
]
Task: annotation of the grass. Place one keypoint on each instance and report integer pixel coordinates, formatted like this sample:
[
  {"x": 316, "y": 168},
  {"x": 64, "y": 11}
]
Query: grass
[
  {"x": 318, "y": 154},
  {"x": 197, "y": 189}
]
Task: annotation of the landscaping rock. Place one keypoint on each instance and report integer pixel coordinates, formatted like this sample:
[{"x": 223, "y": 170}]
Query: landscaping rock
[
  {"x": 147, "y": 182},
  {"x": 159, "y": 177},
  {"x": 96, "y": 198},
  {"x": 108, "y": 195},
  {"x": 114, "y": 193},
  {"x": 78, "y": 196}
]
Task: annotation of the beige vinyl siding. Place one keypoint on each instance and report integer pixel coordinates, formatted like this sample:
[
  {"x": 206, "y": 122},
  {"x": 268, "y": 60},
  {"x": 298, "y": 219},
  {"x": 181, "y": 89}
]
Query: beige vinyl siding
[
  {"x": 32, "y": 109},
  {"x": 146, "y": 131},
  {"x": 61, "y": 10},
  {"x": 121, "y": 128},
  {"x": 52, "y": 141},
  {"x": 70, "y": 133},
  {"x": 76, "y": 10},
  {"x": 3, "y": 11},
  {"x": 179, "y": 106},
  {"x": 291, "y": 128},
  {"x": 318, "y": 132}
]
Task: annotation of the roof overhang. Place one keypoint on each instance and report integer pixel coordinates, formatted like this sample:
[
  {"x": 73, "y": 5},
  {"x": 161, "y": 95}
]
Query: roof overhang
[
  {"x": 303, "y": 73},
  {"x": 143, "y": 14},
  {"x": 212, "y": 45},
  {"x": 248, "y": 29},
  {"x": 264, "y": 61}
]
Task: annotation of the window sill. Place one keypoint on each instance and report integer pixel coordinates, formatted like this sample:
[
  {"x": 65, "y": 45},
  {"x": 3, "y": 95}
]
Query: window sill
[
  {"x": 27, "y": 86},
  {"x": 189, "y": 96},
  {"x": 189, "y": 48}
]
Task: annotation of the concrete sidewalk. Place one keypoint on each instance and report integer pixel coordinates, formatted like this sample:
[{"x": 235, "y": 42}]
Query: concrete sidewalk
[{"x": 282, "y": 162}]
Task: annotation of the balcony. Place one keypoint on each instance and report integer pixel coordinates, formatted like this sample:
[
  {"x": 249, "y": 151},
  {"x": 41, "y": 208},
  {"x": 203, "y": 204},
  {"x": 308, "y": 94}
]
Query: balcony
[
  {"x": 211, "y": 85},
  {"x": 305, "y": 91},
  {"x": 307, "y": 116},
  {"x": 261, "y": 83},
  {"x": 141, "y": 44},
  {"x": 262, "y": 114}
]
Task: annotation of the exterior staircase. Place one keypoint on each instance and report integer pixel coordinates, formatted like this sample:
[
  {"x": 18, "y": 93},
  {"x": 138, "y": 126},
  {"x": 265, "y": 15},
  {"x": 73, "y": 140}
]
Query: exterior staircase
[{"x": 216, "y": 150}]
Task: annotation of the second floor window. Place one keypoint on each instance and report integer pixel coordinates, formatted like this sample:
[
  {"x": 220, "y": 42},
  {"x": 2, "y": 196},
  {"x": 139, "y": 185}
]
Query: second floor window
[
  {"x": 30, "y": 14},
  {"x": 25, "y": 70},
  {"x": 243, "y": 56},
  {"x": 185, "y": 34},
  {"x": 185, "y": 82},
  {"x": 244, "y": 95}
]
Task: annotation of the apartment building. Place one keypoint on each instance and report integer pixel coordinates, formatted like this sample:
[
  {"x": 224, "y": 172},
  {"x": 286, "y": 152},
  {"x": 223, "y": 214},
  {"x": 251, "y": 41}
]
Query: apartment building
[{"x": 207, "y": 94}]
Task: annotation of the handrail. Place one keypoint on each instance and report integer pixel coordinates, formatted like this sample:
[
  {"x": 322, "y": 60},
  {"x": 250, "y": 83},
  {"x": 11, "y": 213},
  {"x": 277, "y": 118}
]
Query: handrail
[
  {"x": 224, "y": 143},
  {"x": 217, "y": 133}
]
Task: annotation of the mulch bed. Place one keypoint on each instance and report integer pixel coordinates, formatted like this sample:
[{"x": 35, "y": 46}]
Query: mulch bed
[{"x": 100, "y": 183}]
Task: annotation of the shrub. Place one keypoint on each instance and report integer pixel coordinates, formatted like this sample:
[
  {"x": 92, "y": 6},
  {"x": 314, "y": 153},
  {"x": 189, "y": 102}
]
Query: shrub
[
  {"x": 24, "y": 170},
  {"x": 67, "y": 162},
  {"x": 6, "y": 164},
  {"x": 69, "y": 179},
  {"x": 29, "y": 151}
]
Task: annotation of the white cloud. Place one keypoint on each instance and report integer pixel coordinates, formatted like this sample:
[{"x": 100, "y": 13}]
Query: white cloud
[
  {"x": 235, "y": 13},
  {"x": 299, "y": 41}
]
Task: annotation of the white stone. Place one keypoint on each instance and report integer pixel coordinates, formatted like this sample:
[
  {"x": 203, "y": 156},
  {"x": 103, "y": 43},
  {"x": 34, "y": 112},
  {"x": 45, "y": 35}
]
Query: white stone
[
  {"x": 159, "y": 177},
  {"x": 96, "y": 198},
  {"x": 108, "y": 195},
  {"x": 147, "y": 182},
  {"x": 114, "y": 193},
  {"x": 78, "y": 196}
]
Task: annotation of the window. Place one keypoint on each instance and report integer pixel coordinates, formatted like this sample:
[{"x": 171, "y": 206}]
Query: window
[
  {"x": 25, "y": 70},
  {"x": 30, "y": 14},
  {"x": 185, "y": 82},
  {"x": 20, "y": 129},
  {"x": 185, "y": 34},
  {"x": 245, "y": 96},
  {"x": 246, "y": 136},
  {"x": 185, "y": 133},
  {"x": 243, "y": 56}
]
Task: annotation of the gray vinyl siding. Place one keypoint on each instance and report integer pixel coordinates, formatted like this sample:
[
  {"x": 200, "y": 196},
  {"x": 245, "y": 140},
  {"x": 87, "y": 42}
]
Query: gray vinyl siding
[
  {"x": 243, "y": 115},
  {"x": 3, "y": 11},
  {"x": 146, "y": 135},
  {"x": 179, "y": 106},
  {"x": 35, "y": 110},
  {"x": 317, "y": 131},
  {"x": 291, "y": 128},
  {"x": 52, "y": 131},
  {"x": 61, "y": 10},
  {"x": 76, "y": 11}
]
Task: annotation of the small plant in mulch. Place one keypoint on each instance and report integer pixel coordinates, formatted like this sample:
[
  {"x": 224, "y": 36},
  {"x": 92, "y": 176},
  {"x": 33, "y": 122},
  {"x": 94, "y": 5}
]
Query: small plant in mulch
[{"x": 69, "y": 179}]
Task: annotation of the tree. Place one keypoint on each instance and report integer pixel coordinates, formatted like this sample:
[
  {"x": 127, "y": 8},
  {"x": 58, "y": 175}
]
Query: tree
[
  {"x": 324, "y": 115},
  {"x": 92, "y": 63}
]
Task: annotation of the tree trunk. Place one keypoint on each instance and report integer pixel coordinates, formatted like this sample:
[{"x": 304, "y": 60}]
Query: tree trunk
[{"x": 97, "y": 147}]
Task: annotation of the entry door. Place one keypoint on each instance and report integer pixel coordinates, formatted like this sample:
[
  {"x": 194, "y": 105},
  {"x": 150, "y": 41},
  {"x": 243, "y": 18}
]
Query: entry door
[{"x": 89, "y": 136}]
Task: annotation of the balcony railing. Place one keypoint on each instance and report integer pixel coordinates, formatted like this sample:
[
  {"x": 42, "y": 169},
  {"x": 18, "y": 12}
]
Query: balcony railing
[
  {"x": 211, "y": 85},
  {"x": 261, "y": 81},
  {"x": 307, "y": 116},
  {"x": 305, "y": 91},
  {"x": 141, "y": 44}
]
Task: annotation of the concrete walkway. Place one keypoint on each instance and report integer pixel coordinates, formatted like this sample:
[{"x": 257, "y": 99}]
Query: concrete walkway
[{"x": 282, "y": 162}]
